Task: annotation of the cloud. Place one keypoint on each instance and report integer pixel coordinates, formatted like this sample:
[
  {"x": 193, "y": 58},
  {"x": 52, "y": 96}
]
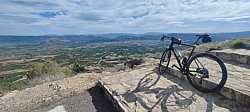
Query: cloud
[
  {"x": 18, "y": 19},
  {"x": 90, "y": 17},
  {"x": 52, "y": 14},
  {"x": 136, "y": 16},
  {"x": 34, "y": 4},
  {"x": 233, "y": 18}
]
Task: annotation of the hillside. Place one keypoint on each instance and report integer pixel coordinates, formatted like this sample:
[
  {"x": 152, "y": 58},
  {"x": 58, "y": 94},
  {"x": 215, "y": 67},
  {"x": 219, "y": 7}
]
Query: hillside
[
  {"x": 22, "y": 65},
  {"x": 137, "y": 89},
  {"x": 71, "y": 72},
  {"x": 111, "y": 37}
]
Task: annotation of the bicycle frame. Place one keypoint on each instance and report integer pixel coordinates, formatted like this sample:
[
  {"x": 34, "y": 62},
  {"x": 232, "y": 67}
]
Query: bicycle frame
[
  {"x": 184, "y": 64},
  {"x": 182, "y": 67}
]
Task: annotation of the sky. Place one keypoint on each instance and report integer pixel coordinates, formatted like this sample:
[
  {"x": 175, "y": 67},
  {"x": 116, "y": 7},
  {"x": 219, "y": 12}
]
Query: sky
[{"x": 41, "y": 17}]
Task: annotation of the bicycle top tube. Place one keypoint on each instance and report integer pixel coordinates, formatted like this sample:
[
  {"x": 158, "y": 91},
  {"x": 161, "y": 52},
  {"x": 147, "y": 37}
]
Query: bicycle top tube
[{"x": 205, "y": 38}]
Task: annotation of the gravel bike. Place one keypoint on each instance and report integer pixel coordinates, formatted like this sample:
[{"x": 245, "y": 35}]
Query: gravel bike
[{"x": 205, "y": 72}]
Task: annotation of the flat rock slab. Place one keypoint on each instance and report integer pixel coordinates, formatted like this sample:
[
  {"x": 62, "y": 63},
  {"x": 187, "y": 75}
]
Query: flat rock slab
[
  {"x": 144, "y": 90},
  {"x": 47, "y": 93},
  {"x": 235, "y": 56},
  {"x": 235, "y": 51},
  {"x": 92, "y": 100},
  {"x": 237, "y": 86}
]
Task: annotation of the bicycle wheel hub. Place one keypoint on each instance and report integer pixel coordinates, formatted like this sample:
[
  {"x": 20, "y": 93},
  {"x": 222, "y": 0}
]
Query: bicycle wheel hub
[{"x": 203, "y": 72}]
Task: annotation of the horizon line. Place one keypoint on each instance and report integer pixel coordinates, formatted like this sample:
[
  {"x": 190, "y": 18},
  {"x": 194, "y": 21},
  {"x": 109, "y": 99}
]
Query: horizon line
[{"x": 127, "y": 33}]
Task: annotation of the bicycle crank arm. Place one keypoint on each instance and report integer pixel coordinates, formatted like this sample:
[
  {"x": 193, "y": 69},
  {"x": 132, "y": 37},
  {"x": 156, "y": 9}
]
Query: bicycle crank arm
[{"x": 174, "y": 66}]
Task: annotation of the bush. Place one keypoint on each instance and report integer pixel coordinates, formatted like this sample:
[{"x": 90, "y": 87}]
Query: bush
[
  {"x": 11, "y": 82},
  {"x": 68, "y": 72},
  {"x": 47, "y": 69},
  {"x": 77, "y": 68},
  {"x": 38, "y": 73},
  {"x": 237, "y": 44}
]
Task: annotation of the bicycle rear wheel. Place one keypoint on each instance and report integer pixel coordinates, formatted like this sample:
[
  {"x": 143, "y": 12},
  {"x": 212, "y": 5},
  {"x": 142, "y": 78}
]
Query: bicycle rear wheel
[
  {"x": 164, "y": 62},
  {"x": 206, "y": 72}
]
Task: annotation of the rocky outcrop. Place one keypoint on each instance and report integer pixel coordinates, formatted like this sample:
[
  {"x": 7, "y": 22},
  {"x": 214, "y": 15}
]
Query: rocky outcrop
[
  {"x": 144, "y": 90},
  {"x": 133, "y": 62},
  {"x": 239, "y": 56},
  {"x": 40, "y": 95}
]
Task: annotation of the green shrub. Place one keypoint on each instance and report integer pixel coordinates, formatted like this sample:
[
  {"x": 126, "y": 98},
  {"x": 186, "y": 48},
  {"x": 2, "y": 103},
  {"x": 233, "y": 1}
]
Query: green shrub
[
  {"x": 48, "y": 68},
  {"x": 38, "y": 73},
  {"x": 237, "y": 44},
  {"x": 77, "y": 68},
  {"x": 11, "y": 82},
  {"x": 67, "y": 72}
]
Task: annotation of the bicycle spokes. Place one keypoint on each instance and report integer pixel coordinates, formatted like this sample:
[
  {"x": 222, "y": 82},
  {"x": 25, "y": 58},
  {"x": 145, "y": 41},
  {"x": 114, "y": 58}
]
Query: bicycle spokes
[
  {"x": 204, "y": 70},
  {"x": 165, "y": 59},
  {"x": 201, "y": 80}
]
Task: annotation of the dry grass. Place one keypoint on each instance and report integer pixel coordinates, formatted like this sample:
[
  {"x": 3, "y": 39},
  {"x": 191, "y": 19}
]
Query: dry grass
[
  {"x": 243, "y": 43},
  {"x": 46, "y": 72}
]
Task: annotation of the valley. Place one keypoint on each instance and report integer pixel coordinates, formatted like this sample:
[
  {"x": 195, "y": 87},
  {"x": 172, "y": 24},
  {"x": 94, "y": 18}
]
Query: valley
[{"x": 21, "y": 57}]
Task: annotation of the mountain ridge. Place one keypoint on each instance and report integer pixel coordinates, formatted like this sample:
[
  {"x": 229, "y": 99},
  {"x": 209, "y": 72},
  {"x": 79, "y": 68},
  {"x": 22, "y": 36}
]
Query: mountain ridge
[{"x": 110, "y": 37}]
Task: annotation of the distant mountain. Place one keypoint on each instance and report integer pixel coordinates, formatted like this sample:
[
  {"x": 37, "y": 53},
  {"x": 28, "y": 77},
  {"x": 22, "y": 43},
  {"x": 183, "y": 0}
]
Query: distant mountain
[
  {"x": 109, "y": 37},
  {"x": 231, "y": 35}
]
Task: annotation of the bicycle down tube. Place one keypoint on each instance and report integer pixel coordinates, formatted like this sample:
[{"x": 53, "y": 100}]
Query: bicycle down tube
[{"x": 181, "y": 66}]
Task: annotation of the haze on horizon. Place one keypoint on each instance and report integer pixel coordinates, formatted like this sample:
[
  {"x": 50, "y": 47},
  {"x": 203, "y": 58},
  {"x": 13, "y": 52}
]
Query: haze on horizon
[{"x": 33, "y": 17}]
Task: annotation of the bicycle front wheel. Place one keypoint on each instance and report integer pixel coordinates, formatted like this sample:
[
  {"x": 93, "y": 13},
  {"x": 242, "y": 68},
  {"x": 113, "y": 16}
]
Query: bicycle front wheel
[
  {"x": 164, "y": 62},
  {"x": 206, "y": 72}
]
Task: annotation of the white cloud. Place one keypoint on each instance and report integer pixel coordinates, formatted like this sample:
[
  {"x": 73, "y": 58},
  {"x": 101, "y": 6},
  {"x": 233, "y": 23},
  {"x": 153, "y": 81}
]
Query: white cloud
[{"x": 99, "y": 16}]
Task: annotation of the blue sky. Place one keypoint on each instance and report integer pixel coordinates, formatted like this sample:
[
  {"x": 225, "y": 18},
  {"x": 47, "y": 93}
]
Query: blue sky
[{"x": 38, "y": 17}]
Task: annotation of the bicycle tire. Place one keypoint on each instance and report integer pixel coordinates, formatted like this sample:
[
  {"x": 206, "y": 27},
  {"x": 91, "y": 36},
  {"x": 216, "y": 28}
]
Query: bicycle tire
[
  {"x": 163, "y": 68},
  {"x": 222, "y": 82}
]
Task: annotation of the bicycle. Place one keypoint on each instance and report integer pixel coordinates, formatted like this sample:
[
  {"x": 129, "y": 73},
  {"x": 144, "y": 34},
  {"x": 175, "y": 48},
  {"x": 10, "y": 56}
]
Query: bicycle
[{"x": 199, "y": 76}]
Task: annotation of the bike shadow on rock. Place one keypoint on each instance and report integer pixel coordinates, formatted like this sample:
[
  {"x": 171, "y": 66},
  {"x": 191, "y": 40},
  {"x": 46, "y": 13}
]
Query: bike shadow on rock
[{"x": 175, "y": 97}]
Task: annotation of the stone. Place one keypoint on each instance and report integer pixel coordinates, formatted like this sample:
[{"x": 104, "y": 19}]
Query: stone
[
  {"x": 44, "y": 94},
  {"x": 1, "y": 94},
  {"x": 241, "y": 56},
  {"x": 167, "y": 93}
]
